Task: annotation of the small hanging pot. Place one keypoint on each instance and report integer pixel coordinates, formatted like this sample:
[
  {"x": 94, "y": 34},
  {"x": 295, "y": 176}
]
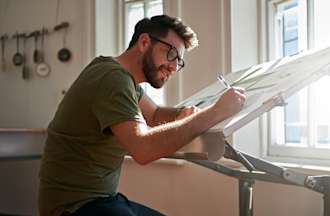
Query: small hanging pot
[
  {"x": 18, "y": 58},
  {"x": 64, "y": 54}
]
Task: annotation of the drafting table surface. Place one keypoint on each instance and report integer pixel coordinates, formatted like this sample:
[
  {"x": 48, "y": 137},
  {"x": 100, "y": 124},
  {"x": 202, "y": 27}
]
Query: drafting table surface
[{"x": 267, "y": 85}]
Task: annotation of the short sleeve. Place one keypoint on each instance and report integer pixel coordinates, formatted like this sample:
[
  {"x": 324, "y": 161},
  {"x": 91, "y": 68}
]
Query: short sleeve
[
  {"x": 140, "y": 91},
  {"x": 116, "y": 100}
]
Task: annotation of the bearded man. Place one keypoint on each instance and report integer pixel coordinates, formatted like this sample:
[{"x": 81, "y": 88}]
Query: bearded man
[{"x": 105, "y": 115}]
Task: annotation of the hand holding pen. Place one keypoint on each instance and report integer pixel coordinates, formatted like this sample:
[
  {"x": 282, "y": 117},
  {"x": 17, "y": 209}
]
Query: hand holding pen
[
  {"x": 226, "y": 84},
  {"x": 232, "y": 100}
]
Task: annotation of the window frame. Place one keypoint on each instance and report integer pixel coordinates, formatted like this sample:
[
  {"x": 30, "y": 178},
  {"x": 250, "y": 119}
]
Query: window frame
[{"x": 286, "y": 153}]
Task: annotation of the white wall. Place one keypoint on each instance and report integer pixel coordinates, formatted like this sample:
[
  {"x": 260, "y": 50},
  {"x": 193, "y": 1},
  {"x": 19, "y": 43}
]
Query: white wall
[
  {"x": 203, "y": 63},
  {"x": 191, "y": 190},
  {"x": 180, "y": 190},
  {"x": 322, "y": 33},
  {"x": 106, "y": 28},
  {"x": 31, "y": 103},
  {"x": 174, "y": 189},
  {"x": 245, "y": 54}
]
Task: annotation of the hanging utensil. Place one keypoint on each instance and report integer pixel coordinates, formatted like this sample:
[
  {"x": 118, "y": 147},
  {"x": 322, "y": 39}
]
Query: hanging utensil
[
  {"x": 63, "y": 54},
  {"x": 36, "y": 52},
  {"x": 18, "y": 58},
  {"x": 42, "y": 68},
  {"x": 25, "y": 69},
  {"x": 3, "y": 39}
]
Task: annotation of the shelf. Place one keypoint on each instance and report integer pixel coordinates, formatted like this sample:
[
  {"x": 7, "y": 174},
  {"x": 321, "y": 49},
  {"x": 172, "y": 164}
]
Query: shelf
[{"x": 23, "y": 130}]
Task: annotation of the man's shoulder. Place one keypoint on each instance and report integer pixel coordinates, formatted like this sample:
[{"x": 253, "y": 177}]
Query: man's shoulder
[{"x": 108, "y": 67}]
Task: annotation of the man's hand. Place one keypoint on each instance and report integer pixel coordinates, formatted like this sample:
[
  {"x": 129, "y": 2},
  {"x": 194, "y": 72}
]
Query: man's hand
[
  {"x": 228, "y": 104},
  {"x": 186, "y": 111},
  {"x": 231, "y": 102}
]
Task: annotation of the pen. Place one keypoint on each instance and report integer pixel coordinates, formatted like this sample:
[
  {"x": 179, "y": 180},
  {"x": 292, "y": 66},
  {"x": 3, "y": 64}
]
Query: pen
[{"x": 224, "y": 82}]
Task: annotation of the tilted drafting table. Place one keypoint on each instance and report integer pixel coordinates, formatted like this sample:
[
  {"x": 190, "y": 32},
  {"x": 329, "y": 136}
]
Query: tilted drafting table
[{"x": 267, "y": 85}]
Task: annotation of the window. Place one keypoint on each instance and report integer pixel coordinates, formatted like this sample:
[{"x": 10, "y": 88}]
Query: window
[
  {"x": 301, "y": 129},
  {"x": 135, "y": 10}
]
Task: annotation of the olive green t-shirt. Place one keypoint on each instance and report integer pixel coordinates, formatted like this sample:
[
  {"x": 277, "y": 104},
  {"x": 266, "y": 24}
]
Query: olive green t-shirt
[{"x": 82, "y": 159}]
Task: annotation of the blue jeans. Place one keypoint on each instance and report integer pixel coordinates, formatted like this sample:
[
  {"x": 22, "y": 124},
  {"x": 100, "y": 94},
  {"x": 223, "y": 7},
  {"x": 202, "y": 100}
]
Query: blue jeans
[{"x": 117, "y": 205}]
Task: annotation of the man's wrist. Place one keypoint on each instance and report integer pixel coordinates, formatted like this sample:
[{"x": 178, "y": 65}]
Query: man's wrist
[{"x": 178, "y": 111}]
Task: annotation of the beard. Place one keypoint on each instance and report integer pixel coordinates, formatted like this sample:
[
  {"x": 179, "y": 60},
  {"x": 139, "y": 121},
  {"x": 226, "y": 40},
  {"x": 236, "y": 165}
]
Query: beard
[{"x": 150, "y": 70}]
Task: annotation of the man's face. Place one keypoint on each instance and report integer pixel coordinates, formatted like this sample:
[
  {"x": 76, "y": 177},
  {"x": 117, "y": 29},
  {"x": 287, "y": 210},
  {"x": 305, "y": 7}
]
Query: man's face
[
  {"x": 155, "y": 63},
  {"x": 150, "y": 69}
]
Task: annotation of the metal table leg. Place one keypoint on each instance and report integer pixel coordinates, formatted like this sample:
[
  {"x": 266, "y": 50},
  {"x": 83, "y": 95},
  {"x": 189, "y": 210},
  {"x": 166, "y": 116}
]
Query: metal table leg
[
  {"x": 262, "y": 170},
  {"x": 246, "y": 197}
]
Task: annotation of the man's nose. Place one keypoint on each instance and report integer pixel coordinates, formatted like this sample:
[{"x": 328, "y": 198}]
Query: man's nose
[{"x": 173, "y": 66}]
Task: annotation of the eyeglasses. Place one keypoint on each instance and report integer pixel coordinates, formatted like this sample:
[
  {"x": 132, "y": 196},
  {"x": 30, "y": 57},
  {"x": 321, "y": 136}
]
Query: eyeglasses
[{"x": 172, "y": 53}]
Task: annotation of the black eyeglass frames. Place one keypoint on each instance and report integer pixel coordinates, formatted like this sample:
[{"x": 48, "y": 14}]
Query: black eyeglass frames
[{"x": 172, "y": 53}]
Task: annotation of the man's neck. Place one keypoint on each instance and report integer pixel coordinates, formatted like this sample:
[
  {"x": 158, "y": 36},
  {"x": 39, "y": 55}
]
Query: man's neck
[{"x": 131, "y": 61}]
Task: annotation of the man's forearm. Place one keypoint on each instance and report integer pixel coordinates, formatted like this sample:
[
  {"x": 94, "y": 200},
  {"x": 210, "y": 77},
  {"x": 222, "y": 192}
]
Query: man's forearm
[
  {"x": 164, "y": 115},
  {"x": 165, "y": 139}
]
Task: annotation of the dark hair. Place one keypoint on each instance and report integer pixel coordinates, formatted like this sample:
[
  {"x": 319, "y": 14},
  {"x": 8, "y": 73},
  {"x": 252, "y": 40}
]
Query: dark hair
[{"x": 160, "y": 25}]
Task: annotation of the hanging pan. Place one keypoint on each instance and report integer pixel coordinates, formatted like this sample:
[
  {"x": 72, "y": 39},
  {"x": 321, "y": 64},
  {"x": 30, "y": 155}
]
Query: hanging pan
[
  {"x": 18, "y": 57},
  {"x": 64, "y": 54}
]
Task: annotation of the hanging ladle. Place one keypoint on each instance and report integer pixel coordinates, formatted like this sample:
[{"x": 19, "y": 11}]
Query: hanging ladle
[
  {"x": 3, "y": 39},
  {"x": 36, "y": 53},
  {"x": 25, "y": 69},
  {"x": 18, "y": 58},
  {"x": 64, "y": 54}
]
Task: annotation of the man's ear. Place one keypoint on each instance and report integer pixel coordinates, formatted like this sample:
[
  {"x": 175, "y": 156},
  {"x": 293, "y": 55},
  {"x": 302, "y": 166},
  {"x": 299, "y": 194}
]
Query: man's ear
[{"x": 143, "y": 42}]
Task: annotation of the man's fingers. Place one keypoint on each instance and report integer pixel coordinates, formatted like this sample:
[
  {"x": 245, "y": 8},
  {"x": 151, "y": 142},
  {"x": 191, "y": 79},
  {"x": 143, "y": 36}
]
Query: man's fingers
[{"x": 239, "y": 89}]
